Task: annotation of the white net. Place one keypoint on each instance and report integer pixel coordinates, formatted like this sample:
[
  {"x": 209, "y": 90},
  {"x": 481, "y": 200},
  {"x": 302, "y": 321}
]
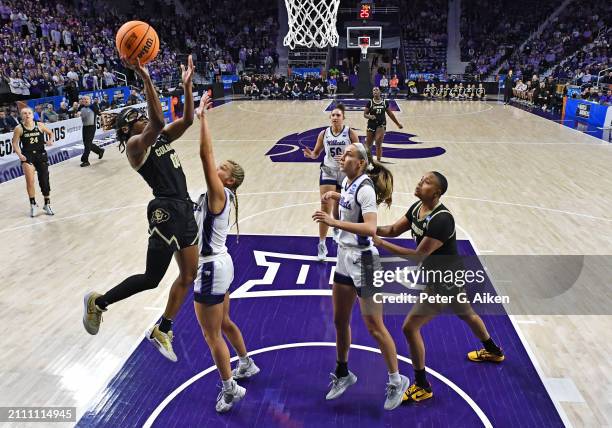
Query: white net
[{"x": 312, "y": 23}]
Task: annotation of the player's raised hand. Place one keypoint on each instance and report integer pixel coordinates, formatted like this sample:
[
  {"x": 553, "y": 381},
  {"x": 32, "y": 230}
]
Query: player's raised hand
[
  {"x": 136, "y": 65},
  {"x": 187, "y": 72},
  {"x": 205, "y": 104}
]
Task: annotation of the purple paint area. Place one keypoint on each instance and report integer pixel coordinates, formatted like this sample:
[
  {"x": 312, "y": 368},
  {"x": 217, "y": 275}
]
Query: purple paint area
[
  {"x": 289, "y": 148},
  {"x": 358, "y": 105},
  {"x": 290, "y": 390}
]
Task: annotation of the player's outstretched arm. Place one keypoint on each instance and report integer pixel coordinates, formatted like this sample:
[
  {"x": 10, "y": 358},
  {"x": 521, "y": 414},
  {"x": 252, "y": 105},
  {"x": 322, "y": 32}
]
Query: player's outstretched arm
[
  {"x": 395, "y": 229},
  {"x": 177, "y": 128},
  {"x": 215, "y": 188}
]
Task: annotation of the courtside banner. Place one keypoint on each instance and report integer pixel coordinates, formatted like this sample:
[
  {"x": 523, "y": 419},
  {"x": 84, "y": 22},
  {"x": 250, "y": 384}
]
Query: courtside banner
[
  {"x": 68, "y": 144},
  {"x": 592, "y": 113}
]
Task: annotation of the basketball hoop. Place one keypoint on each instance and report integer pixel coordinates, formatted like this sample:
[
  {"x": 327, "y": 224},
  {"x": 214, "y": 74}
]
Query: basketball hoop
[{"x": 312, "y": 23}]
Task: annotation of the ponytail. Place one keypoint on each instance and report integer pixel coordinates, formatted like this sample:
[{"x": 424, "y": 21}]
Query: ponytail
[
  {"x": 383, "y": 182},
  {"x": 380, "y": 175}
]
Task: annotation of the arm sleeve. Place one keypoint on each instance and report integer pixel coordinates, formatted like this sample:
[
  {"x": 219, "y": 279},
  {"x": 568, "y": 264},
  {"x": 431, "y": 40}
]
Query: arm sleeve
[
  {"x": 367, "y": 199},
  {"x": 441, "y": 227}
]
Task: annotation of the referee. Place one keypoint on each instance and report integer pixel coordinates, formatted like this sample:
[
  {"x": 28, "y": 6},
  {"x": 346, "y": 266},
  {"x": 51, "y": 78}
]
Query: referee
[{"x": 88, "y": 115}]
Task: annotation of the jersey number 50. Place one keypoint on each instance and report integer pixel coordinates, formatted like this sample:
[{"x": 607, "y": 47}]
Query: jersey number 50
[{"x": 335, "y": 151}]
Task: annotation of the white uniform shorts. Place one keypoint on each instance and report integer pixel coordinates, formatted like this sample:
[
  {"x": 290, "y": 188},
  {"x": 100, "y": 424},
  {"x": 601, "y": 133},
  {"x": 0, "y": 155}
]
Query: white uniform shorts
[
  {"x": 356, "y": 267},
  {"x": 331, "y": 176},
  {"x": 215, "y": 275}
]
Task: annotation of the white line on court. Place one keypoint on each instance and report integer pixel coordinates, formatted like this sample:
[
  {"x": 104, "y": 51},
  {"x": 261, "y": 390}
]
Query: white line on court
[
  {"x": 107, "y": 210},
  {"x": 481, "y": 415},
  {"x": 527, "y": 347},
  {"x": 429, "y": 115}
]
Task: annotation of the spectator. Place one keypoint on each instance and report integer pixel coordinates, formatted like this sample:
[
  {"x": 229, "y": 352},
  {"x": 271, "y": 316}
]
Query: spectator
[
  {"x": 265, "y": 92},
  {"x": 73, "y": 111},
  {"x": 319, "y": 91},
  {"x": 5, "y": 123},
  {"x": 254, "y": 91},
  {"x": 287, "y": 93},
  {"x": 332, "y": 86},
  {"x": 49, "y": 115},
  {"x": 62, "y": 112},
  {"x": 134, "y": 98},
  {"x": 104, "y": 104},
  {"x": 384, "y": 84},
  {"x": 394, "y": 86},
  {"x": 296, "y": 93}
]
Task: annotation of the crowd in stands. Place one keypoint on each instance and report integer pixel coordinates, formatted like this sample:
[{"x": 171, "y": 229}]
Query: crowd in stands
[
  {"x": 575, "y": 41},
  {"x": 61, "y": 47},
  {"x": 424, "y": 29},
  {"x": 225, "y": 37},
  {"x": 492, "y": 29}
]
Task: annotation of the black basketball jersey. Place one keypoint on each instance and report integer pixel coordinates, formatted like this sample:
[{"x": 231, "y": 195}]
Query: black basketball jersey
[
  {"x": 438, "y": 224},
  {"x": 379, "y": 110},
  {"x": 32, "y": 140},
  {"x": 162, "y": 170}
]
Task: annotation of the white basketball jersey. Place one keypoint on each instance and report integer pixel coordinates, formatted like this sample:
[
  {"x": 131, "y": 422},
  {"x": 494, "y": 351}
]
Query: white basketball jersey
[
  {"x": 356, "y": 199},
  {"x": 335, "y": 145},
  {"x": 213, "y": 227}
]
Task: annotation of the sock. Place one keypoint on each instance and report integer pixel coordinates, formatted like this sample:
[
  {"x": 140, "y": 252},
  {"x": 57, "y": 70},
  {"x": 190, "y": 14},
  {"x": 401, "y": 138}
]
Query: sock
[
  {"x": 491, "y": 347},
  {"x": 101, "y": 303},
  {"x": 32, "y": 201},
  {"x": 341, "y": 369},
  {"x": 395, "y": 378},
  {"x": 47, "y": 200},
  {"x": 165, "y": 325},
  {"x": 244, "y": 360},
  {"x": 321, "y": 241},
  {"x": 228, "y": 384},
  {"x": 420, "y": 379}
]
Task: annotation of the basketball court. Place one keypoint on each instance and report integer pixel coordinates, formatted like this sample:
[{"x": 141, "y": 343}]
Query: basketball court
[{"x": 519, "y": 185}]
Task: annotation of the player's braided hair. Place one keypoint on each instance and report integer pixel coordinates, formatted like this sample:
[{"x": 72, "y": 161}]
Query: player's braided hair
[
  {"x": 238, "y": 176},
  {"x": 109, "y": 123}
]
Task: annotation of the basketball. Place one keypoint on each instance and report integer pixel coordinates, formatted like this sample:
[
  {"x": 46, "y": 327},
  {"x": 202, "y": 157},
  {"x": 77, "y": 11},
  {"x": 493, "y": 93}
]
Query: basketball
[{"x": 137, "y": 39}]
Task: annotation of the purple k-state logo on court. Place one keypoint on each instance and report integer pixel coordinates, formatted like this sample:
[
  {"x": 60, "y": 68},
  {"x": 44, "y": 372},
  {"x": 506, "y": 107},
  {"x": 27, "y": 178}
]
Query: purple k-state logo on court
[{"x": 397, "y": 145}]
